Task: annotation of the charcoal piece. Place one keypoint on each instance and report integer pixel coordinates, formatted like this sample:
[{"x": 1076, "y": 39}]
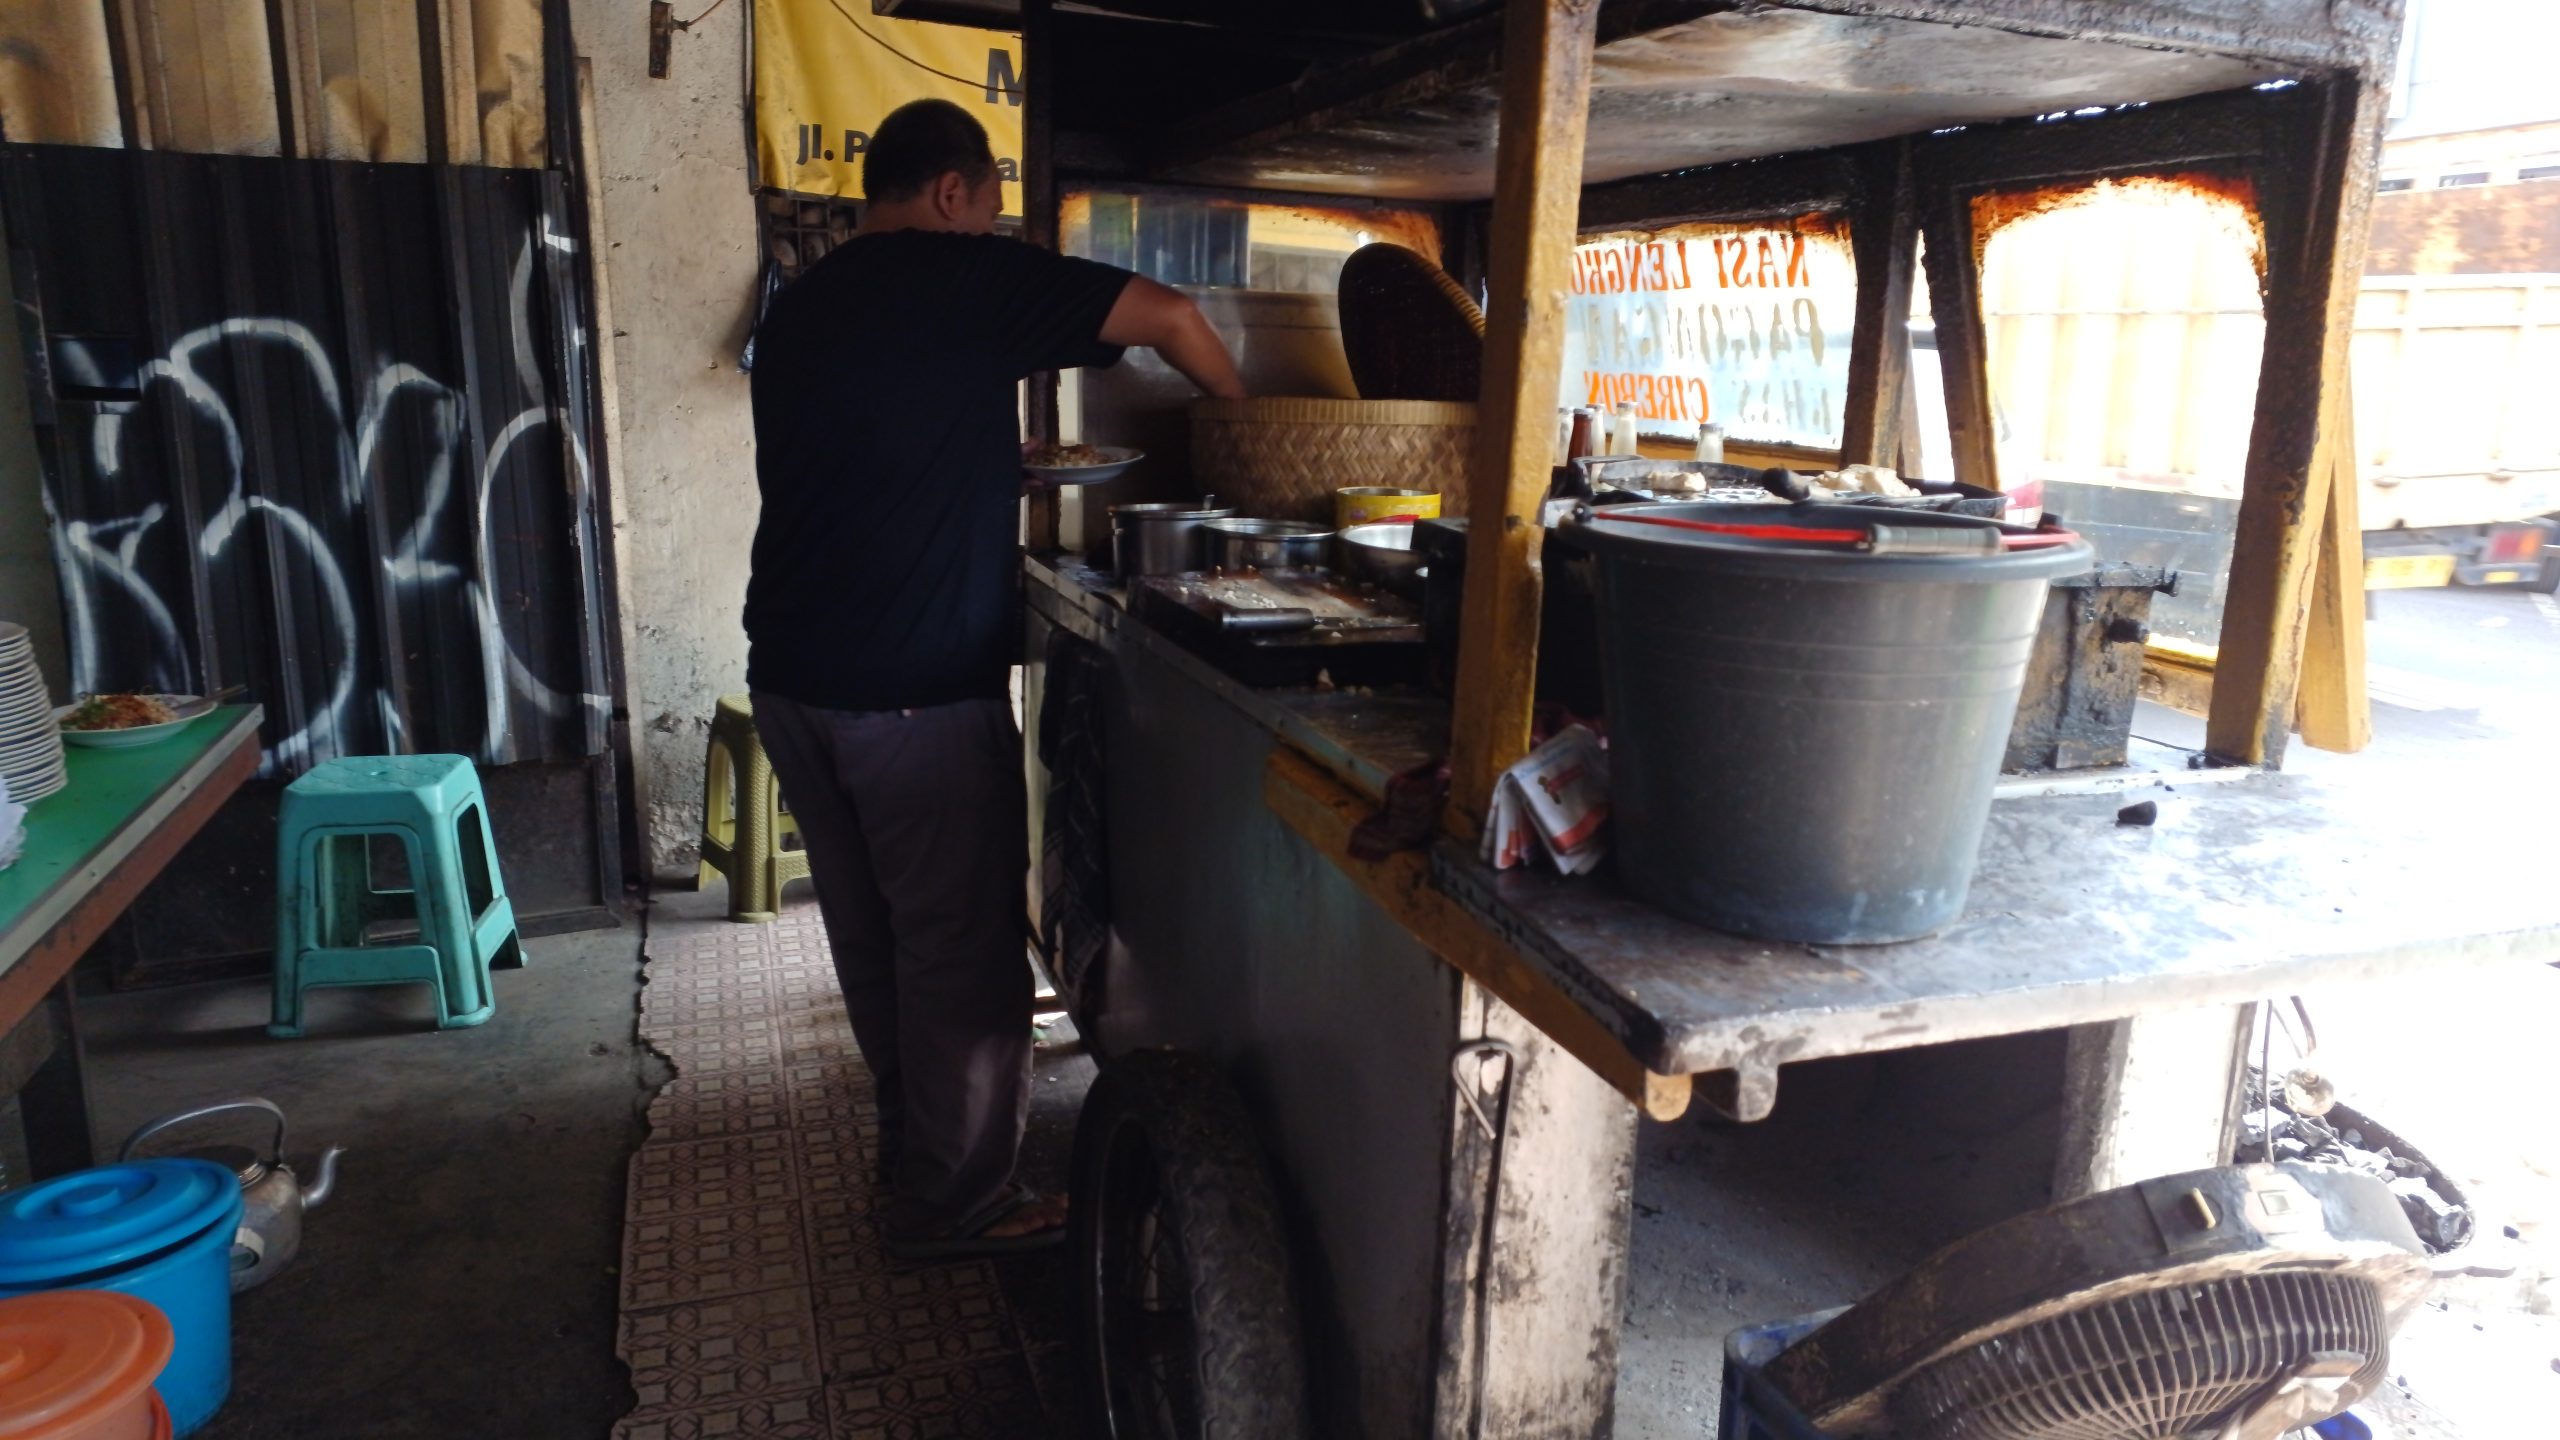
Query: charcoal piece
[
  {"x": 2259, "y": 1127},
  {"x": 2442, "y": 1224}
]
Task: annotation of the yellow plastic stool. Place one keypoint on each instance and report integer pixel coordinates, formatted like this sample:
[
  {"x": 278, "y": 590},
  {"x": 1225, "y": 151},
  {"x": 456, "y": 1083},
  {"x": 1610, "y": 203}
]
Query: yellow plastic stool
[{"x": 743, "y": 822}]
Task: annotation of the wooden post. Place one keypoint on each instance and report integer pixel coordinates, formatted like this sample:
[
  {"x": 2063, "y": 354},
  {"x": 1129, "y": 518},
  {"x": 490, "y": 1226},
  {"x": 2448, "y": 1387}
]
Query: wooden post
[
  {"x": 2154, "y": 1095},
  {"x": 1040, "y": 227},
  {"x": 1537, "y": 198},
  {"x": 615, "y": 511},
  {"x": 2315, "y": 231},
  {"x": 1885, "y": 235},
  {"x": 1964, "y": 347},
  {"x": 2334, "y": 711}
]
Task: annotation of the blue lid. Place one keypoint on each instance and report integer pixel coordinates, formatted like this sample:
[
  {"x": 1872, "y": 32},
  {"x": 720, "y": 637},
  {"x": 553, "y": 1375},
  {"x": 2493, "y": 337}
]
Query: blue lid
[{"x": 93, "y": 1220}]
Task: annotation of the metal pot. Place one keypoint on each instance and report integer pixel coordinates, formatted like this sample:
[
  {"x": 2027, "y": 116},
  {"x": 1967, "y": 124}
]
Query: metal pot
[
  {"x": 1381, "y": 555},
  {"x": 1266, "y": 544},
  {"x": 270, "y": 1231},
  {"x": 1161, "y": 538}
]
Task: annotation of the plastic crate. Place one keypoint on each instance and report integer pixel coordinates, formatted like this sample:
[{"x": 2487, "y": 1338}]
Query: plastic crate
[{"x": 1754, "y": 1409}]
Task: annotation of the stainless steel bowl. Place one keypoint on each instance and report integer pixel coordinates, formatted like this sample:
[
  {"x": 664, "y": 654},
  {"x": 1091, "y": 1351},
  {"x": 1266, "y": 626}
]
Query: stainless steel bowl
[
  {"x": 1162, "y": 537},
  {"x": 1266, "y": 544},
  {"x": 1381, "y": 554}
]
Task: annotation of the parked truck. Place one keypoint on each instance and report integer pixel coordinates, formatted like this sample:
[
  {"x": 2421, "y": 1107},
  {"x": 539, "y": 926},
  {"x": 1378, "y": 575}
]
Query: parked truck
[
  {"x": 2125, "y": 330},
  {"x": 2457, "y": 403}
]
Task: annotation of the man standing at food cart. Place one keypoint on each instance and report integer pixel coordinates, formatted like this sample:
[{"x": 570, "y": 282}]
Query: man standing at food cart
[{"x": 882, "y": 622}]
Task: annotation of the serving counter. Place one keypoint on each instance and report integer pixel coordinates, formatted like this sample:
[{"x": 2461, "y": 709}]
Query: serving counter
[{"x": 1339, "y": 992}]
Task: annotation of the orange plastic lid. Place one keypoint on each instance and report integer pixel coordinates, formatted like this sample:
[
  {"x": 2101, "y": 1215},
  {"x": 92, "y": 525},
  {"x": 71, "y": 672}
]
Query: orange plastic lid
[{"x": 70, "y": 1358}]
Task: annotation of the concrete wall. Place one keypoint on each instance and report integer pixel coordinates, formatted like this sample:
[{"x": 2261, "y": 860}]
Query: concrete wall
[
  {"x": 28, "y": 593},
  {"x": 679, "y": 226}
]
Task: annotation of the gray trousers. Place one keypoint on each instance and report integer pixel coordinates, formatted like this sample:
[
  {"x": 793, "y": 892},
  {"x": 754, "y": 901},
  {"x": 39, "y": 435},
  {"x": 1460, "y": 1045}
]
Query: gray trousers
[{"x": 917, "y": 837}]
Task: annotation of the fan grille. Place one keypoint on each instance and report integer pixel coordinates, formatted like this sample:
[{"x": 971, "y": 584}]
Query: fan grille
[{"x": 2153, "y": 1365}]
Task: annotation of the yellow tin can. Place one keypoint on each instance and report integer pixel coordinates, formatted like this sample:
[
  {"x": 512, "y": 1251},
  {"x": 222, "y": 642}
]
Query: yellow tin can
[{"x": 1368, "y": 504}]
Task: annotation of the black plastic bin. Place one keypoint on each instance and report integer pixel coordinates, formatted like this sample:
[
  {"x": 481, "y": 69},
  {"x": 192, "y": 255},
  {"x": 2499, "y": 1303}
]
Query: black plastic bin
[{"x": 1804, "y": 735}]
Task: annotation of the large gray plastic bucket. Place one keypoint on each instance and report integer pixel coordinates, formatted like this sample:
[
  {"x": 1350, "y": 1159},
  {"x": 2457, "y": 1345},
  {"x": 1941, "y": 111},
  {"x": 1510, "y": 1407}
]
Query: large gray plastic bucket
[{"x": 1804, "y": 737}]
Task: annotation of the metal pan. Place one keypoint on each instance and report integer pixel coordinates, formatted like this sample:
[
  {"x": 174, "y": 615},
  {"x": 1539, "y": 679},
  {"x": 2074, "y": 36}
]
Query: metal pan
[
  {"x": 1266, "y": 544},
  {"x": 1382, "y": 555}
]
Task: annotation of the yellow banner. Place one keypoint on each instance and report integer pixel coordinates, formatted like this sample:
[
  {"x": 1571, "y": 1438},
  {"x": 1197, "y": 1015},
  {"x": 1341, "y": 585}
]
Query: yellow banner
[{"x": 828, "y": 70}]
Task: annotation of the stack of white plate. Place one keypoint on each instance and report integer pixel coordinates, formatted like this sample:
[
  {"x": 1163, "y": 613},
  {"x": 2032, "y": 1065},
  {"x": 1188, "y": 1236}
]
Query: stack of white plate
[{"x": 30, "y": 738}]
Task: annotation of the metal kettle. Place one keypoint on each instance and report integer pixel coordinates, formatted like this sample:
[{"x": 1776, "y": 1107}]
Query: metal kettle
[{"x": 270, "y": 1231}]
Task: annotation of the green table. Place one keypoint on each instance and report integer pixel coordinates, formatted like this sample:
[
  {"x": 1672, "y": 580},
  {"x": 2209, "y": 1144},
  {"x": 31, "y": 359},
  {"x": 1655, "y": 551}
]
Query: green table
[{"x": 91, "y": 848}]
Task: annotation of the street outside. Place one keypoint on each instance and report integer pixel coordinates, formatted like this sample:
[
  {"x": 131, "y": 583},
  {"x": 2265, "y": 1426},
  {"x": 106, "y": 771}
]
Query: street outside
[{"x": 2466, "y": 688}]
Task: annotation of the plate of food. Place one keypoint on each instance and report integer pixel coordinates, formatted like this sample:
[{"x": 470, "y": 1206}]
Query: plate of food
[
  {"x": 121, "y": 721},
  {"x": 1079, "y": 464}
]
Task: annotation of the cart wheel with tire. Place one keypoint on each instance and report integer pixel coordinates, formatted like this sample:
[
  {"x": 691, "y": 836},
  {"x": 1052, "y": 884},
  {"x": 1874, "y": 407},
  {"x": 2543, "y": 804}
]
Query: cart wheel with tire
[{"x": 1187, "y": 1322}]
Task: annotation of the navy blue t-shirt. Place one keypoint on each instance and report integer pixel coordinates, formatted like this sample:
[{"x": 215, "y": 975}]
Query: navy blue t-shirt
[{"x": 888, "y": 453}]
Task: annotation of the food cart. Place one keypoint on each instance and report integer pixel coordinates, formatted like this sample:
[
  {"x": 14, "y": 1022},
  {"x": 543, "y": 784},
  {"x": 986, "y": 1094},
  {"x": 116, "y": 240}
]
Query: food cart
[{"x": 1440, "y": 1070}]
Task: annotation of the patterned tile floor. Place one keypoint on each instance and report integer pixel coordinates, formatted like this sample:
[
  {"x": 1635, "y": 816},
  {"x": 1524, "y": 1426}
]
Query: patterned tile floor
[{"x": 756, "y": 1300}]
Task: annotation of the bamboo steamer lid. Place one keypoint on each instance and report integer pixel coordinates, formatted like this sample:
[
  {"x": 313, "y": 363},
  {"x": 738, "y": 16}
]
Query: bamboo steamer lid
[{"x": 1409, "y": 331}]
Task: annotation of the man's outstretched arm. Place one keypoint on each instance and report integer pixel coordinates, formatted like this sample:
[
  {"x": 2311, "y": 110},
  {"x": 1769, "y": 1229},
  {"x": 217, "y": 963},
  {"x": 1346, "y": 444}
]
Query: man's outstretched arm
[{"x": 1166, "y": 321}]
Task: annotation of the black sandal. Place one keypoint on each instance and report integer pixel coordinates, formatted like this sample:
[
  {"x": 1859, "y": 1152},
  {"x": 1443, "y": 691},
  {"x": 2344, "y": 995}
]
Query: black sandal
[{"x": 969, "y": 1239}]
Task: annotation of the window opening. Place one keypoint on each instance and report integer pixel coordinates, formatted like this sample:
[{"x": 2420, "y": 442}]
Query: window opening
[
  {"x": 1210, "y": 242},
  {"x": 2124, "y": 332}
]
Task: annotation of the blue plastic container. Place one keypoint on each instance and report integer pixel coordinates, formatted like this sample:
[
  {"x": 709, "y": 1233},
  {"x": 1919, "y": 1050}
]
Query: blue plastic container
[
  {"x": 1749, "y": 1407},
  {"x": 157, "y": 1229}
]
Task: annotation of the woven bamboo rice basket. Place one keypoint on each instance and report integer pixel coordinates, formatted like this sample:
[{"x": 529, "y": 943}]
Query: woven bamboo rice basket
[{"x": 1281, "y": 458}]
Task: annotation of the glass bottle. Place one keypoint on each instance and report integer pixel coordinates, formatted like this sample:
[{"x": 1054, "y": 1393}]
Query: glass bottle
[{"x": 1584, "y": 440}]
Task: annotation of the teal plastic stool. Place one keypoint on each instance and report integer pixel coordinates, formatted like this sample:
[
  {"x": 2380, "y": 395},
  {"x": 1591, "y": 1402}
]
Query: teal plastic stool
[{"x": 329, "y": 911}]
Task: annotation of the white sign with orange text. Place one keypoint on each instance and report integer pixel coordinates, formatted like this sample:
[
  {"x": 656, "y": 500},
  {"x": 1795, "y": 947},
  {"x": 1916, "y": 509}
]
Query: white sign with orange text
[{"x": 1745, "y": 326}]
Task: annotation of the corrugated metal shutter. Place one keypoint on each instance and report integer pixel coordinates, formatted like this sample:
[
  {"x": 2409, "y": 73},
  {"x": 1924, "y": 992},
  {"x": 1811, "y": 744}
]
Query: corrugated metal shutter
[{"x": 322, "y": 429}]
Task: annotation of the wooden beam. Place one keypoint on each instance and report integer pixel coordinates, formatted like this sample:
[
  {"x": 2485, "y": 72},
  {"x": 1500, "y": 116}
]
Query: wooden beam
[
  {"x": 609, "y": 472},
  {"x": 1546, "y": 96},
  {"x": 1955, "y": 307},
  {"x": 1884, "y": 235},
  {"x": 1324, "y": 811},
  {"x": 2181, "y": 683},
  {"x": 1778, "y": 188},
  {"x": 53, "y": 1104},
  {"x": 1040, "y": 227},
  {"x": 1746, "y": 452},
  {"x": 1039, "y": 124},
  {"x": 295, "y": 126},
  {"x": 434, "y": 90},
  {"x": 2315, "y": 218},
  {"x": 123, "y": 49},
  {"x": 1428, "y": 67},
  {"x": 2334, "y": 711},
  {"x": 2310, "y": 33},
  {"x": 2202, "y": 132}
]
